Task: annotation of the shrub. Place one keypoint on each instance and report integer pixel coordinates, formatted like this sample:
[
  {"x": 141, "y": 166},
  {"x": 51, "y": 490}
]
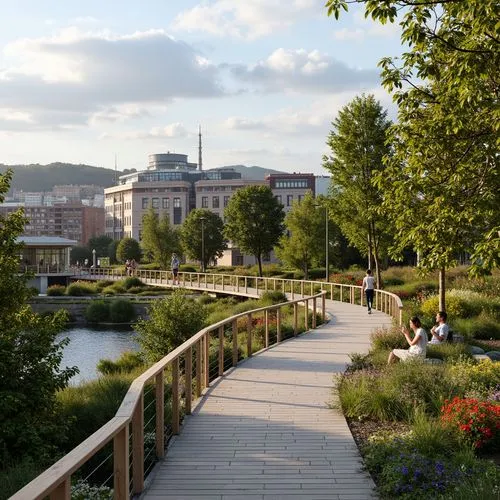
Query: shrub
[
  {"x": 109, "y": 290},
  {"x": 388, "y": 339},
  {"x": 477, "y": 421},
  {"x": 121, "y": 311},
  {"x": 101, "y": 284},
  {"x": 126, "y": 363},
  {"x": 131, "y": 281},
  {"x": 56, "y": 290},
  {"x": 97, "y": 311},
  {"x": 187, "y": 268},
  {"x": 118, "y": 287},
  {"x": 393, "y": 281},
  {"x": 205, "y": 299},
  {"x": 81, "y": 288},
  {"x": 271, "y": 298},
  {"x": 481, "y": 376},
  {"x": 83, "y": 490},
  {"x": 448, "y": 351},
  {"x": 459, "y": 304},
  {"x": 481, "y": 327}
]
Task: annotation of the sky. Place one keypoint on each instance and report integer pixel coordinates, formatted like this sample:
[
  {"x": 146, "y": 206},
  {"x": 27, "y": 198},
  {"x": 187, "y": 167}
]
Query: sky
[{"x": 81, "y": 82}]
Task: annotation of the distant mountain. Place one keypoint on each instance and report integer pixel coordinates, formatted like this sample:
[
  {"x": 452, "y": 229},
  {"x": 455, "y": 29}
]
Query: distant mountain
[
  {"x": 38, "y": 177},
  {"x": 252, "y": 173}
]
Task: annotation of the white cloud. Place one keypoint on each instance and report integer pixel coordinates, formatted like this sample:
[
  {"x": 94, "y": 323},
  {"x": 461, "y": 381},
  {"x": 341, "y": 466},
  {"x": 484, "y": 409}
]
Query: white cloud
[
  {"x": 300, "y": 70},
  {"x": 172, "y": 131},
  {"x": 364, "y": 28},
  {"x": 249, "y": 19},
  {"x": 79, "y": 74}
]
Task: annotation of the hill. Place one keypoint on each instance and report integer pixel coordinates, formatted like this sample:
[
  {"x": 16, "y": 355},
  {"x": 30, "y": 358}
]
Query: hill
[{"x": 38, "y": 177}]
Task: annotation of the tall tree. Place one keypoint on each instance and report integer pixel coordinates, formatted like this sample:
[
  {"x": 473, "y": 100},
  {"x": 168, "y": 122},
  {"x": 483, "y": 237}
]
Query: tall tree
[
  {"x": 159, "y": 238},
  {"x": 254, "y": 221},
  {"x": 445, "y": 165},
  {"x": 128, "y": 249},
  {"x": 100, "y": 244},
  {"x": 30, "y": 374},
  {"x": 358, "y": 143},
  {"x": 304, "y": 245},
  {"x": 202, "y": 236}
]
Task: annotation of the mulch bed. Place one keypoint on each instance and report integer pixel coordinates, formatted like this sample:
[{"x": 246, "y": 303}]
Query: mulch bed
[
  {"x": 362, "y": 430},
  {"x": 494, "y": 345}
]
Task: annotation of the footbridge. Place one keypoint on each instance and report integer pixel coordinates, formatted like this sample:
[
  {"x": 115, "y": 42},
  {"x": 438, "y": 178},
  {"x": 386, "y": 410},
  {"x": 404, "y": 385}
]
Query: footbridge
[{"x": 242, "y": 410}]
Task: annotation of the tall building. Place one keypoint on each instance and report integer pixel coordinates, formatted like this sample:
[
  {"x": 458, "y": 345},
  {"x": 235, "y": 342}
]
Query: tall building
[{"x": 73, "y": 222}]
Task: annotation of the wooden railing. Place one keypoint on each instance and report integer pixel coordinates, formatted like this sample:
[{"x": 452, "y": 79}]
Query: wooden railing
[
  {"x": 181, "y": 376},
  {"x": 185, "y": 372},
  {"x": 384, "y": 301}
]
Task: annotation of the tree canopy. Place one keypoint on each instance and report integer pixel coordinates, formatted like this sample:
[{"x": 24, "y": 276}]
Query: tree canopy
[
  {"x": 214, "y": 243},
  {"x": 159, "y": 238},
  {"x": 30, "y": 357},
  {"x": 128, "y": 249},
  {"x": 358, "y": 144},
  {"x": 254, "y": 221},
  {"x": 304, "y": 245}
]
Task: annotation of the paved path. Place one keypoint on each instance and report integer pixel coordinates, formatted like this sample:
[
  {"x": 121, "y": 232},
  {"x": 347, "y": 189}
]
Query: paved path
[{"x": 265, "y": 431}]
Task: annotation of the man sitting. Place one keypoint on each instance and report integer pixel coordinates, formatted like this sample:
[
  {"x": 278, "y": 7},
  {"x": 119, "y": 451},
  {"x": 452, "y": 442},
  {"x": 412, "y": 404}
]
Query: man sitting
[{"x": 440, "y": 331}]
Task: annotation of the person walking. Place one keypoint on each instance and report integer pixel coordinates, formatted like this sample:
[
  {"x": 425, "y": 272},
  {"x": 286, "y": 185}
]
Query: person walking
[
  {"x": 369, "y": 289},
  {"x": 174, "y": 265}
]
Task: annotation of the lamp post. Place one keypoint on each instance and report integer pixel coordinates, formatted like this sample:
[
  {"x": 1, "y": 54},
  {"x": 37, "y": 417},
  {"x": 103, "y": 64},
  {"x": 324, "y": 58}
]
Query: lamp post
[
  {"x": 202, "y": 219},
  {"x": 93, "y": 258}
]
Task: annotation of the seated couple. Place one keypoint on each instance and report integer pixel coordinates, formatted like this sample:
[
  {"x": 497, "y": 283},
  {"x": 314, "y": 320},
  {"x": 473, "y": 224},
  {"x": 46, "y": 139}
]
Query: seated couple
[{"x": 418, "y": 344}]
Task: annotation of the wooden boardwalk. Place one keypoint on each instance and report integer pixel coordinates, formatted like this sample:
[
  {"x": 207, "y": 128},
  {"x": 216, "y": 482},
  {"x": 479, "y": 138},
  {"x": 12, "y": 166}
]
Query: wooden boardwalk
[{"x": 266, "y": 430}]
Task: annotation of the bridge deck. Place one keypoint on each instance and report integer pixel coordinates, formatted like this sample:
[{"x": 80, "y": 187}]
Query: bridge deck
[{"x": 266, "y": 431}]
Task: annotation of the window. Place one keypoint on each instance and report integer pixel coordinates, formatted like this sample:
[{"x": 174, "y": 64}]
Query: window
[
  {"x": 165, "y": 203},
  {"x": 215, "y": 202},
  {"x": 177, "y": 203},
  {"x": 226, "y": 200},
  {"x": 145, "y": 203},
  {"x": 301, "y": 197},
  {"x": 289, "y": 200},
  {"x": 156, "y": 203},
  {"x": 278, "y": 197},
  {"x": 204, "y": 202}
]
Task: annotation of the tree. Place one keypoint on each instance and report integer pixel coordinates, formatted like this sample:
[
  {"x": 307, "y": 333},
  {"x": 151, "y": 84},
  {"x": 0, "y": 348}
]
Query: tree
[
  {"x": 304, "y": 245},
  {"x": 30, "y": 374},
  {"x": 254, "y": 221},
  {"x": 128, "y": 249},
  {"x": 358, "y": 145},
  {"x": 204, "y": 247},
  {"x": 159, "y": 238},
  {"x": 100, "y": 244},
  {"x": 79, "y": 254},
  {"x": 171, "y": 322},
  {"x": 112, "y": 247},
  {"x": 446, "y": 155}
]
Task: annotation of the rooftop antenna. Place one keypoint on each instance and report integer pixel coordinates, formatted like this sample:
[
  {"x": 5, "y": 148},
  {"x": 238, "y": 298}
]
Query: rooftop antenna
[{"x": 200, "y": 161}]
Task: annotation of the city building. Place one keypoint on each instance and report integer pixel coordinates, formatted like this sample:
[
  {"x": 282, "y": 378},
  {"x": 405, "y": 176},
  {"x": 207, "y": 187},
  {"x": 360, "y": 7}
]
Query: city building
[{"x": 73, "y": 222}]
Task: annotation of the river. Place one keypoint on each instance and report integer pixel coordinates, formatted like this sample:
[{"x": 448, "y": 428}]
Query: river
[{"x": 89, "y": 345}]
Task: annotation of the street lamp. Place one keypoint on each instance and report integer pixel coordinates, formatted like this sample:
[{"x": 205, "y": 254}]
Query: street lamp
[
  {"x": 93, "y": 258},
  {"x": 202, "y": 219}
]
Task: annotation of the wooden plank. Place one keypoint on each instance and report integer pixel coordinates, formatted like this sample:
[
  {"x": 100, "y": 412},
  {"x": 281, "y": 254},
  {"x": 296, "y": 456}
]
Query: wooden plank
[
  {"x": 63, "y": 491},
  {"x": 175, "y": 396},
  {"x": 121, "y": 465},
  {"x": 314, "y": 313},
  {"x": 188, "y": 375},
  {"x": 206, "y": 359},
  {"x": 138, "y": 448}
]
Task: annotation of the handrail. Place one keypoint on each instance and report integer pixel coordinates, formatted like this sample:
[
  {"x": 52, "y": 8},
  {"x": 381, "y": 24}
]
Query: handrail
[{"x": 56, "y": 480}]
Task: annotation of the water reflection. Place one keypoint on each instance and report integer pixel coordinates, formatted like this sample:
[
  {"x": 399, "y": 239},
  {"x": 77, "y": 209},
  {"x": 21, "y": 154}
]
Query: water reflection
[{"x": 89, "y": 345}]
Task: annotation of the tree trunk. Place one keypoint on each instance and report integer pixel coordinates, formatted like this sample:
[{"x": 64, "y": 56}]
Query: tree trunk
[
  {"x": 306, "y": 271},
  {"x": 259, "y": 261},
  {"x": 442, "y": 289},
  {"x": 370, "y": 248},
  {"x": 376, "y": 259}
]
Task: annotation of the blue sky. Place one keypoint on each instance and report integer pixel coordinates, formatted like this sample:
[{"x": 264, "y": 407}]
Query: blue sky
[{"x": 83, "y": 81}]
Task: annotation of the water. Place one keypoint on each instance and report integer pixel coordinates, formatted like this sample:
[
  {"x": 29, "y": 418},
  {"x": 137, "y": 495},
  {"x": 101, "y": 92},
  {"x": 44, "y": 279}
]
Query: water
[{"x": 88, "y": 345}]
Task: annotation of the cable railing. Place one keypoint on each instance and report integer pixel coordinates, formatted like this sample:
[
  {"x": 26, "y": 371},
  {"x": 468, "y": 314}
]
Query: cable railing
[{"x": 119, "y": 455}]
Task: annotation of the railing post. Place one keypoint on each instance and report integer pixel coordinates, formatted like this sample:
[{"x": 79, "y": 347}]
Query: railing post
[
  {"x": 235, "y": 342},
  {"x": 323, "y": 307},
  {"x": 266, "y": 284},
  {"x": 121, "y": 464},
  {"x": 223, "y": 282},
  {"x": 295, "y": 318},
  {"x": 341, "y": 293},
  {"x": 361, "y": 296},
  {"x": 246, "y": 285},
  {"x": 160, "y": 414},
  {"x": 331, "y": 291},
  {"x": 306, "y": 314},
  {"x": 175, "y": 396},
  {"x": 274, "y": 284},
  {"x": 400, "y": 317},
  {"x": 63, "y": 491},
  {"x": 221, "y": 351},
  {"x": 249, "y": 335},
  {"x": 302, "y": 288},
  {"x": 314, "y": 313},
  {"x": 278, "y": 325},
  {"x": 198, "y": 368},
  {"x": 266, "y": 322},
  {"x": 376, "y": 300},
  {"x": 138, "y": 447},
  {"x": 206, "y": 357},
  {"x": 199, "y": 280},
  {"x": 188, "y": 376}
]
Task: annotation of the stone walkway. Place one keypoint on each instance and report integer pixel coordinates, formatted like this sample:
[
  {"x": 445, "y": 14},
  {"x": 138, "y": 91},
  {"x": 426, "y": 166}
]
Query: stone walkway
[{"x": 266, "y": 430}]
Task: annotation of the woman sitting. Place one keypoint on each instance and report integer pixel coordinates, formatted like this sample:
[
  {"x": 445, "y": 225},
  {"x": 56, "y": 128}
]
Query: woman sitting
[{"x": 418, "y": 344}]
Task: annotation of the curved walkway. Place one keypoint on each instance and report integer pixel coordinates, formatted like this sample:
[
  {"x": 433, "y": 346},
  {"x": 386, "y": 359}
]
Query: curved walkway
[{"x": 266, "y": 430}]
